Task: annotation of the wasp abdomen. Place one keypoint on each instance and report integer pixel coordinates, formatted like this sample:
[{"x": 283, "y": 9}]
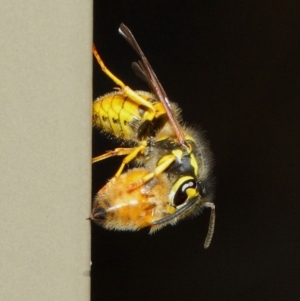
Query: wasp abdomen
[
  {"x": 117, "y": 114},
  {"x": 117, "y": 208}
]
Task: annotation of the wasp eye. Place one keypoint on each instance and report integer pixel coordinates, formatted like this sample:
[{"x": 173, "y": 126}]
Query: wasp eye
[{"x": 182, "y": 194}]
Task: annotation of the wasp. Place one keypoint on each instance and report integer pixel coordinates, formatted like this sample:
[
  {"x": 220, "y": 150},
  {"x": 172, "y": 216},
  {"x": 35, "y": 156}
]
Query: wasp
[{"x": 173, "y": 175}]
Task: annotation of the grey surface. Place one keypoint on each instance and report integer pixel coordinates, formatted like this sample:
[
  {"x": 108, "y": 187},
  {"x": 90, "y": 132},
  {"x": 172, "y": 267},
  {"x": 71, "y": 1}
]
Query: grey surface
[{"x": 45, "y": 129}]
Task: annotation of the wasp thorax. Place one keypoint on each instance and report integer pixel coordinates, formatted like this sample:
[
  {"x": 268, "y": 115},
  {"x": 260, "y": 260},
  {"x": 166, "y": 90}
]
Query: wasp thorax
[{"x": 116, "y": 207}]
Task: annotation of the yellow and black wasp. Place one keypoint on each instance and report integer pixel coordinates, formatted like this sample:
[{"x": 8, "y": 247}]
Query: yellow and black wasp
[{"x": 172, "y": 174}]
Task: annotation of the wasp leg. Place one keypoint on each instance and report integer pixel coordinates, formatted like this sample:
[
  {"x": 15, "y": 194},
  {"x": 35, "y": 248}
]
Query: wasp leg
[
  {"x": 116, "y": 152},
  {"x": 130, "y": 152},
  {"x": 126, "y": 90},
  {"x": 169, "y": 159}
]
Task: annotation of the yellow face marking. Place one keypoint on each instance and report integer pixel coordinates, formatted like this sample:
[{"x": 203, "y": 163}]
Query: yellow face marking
[
  {"x": 178, "y": 153},
  {"x": 194, "y": 164},
  {"x": 191, "y": 192}
]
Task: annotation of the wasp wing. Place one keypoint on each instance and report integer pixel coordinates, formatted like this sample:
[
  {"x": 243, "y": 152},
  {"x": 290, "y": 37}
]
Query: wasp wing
[
  {"x": 148, "y": 74},
  {"x": 139, "y": 72}
]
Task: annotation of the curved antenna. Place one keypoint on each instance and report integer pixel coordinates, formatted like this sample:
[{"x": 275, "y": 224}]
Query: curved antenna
[
  {"x": 153, "y": 81},
  {"x": 211, "y": 225}
]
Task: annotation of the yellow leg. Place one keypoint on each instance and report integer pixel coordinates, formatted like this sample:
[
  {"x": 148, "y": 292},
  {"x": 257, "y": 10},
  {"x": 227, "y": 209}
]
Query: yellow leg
[
  {"x": 140, "y": 149},
  {"x": 116, "y": 152},
  {"x": 126, "y": 90},
  {"x": 158, "y": 170},
  {"x": 130, "y": 152}
]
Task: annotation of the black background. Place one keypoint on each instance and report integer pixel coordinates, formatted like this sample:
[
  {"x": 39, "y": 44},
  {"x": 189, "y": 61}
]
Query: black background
[{"x": 233, "y": 67}]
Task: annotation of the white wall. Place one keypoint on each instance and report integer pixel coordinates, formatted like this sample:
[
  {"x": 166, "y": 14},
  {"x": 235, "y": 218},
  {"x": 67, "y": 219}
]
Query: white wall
[{"x": 45, "y": 149}]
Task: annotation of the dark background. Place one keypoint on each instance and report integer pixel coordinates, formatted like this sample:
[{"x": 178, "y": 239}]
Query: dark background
[{"x": 233, "y": 67}]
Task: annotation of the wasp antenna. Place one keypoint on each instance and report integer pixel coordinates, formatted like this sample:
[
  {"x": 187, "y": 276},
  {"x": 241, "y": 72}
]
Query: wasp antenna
[{"x": 211, "y": 226}]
